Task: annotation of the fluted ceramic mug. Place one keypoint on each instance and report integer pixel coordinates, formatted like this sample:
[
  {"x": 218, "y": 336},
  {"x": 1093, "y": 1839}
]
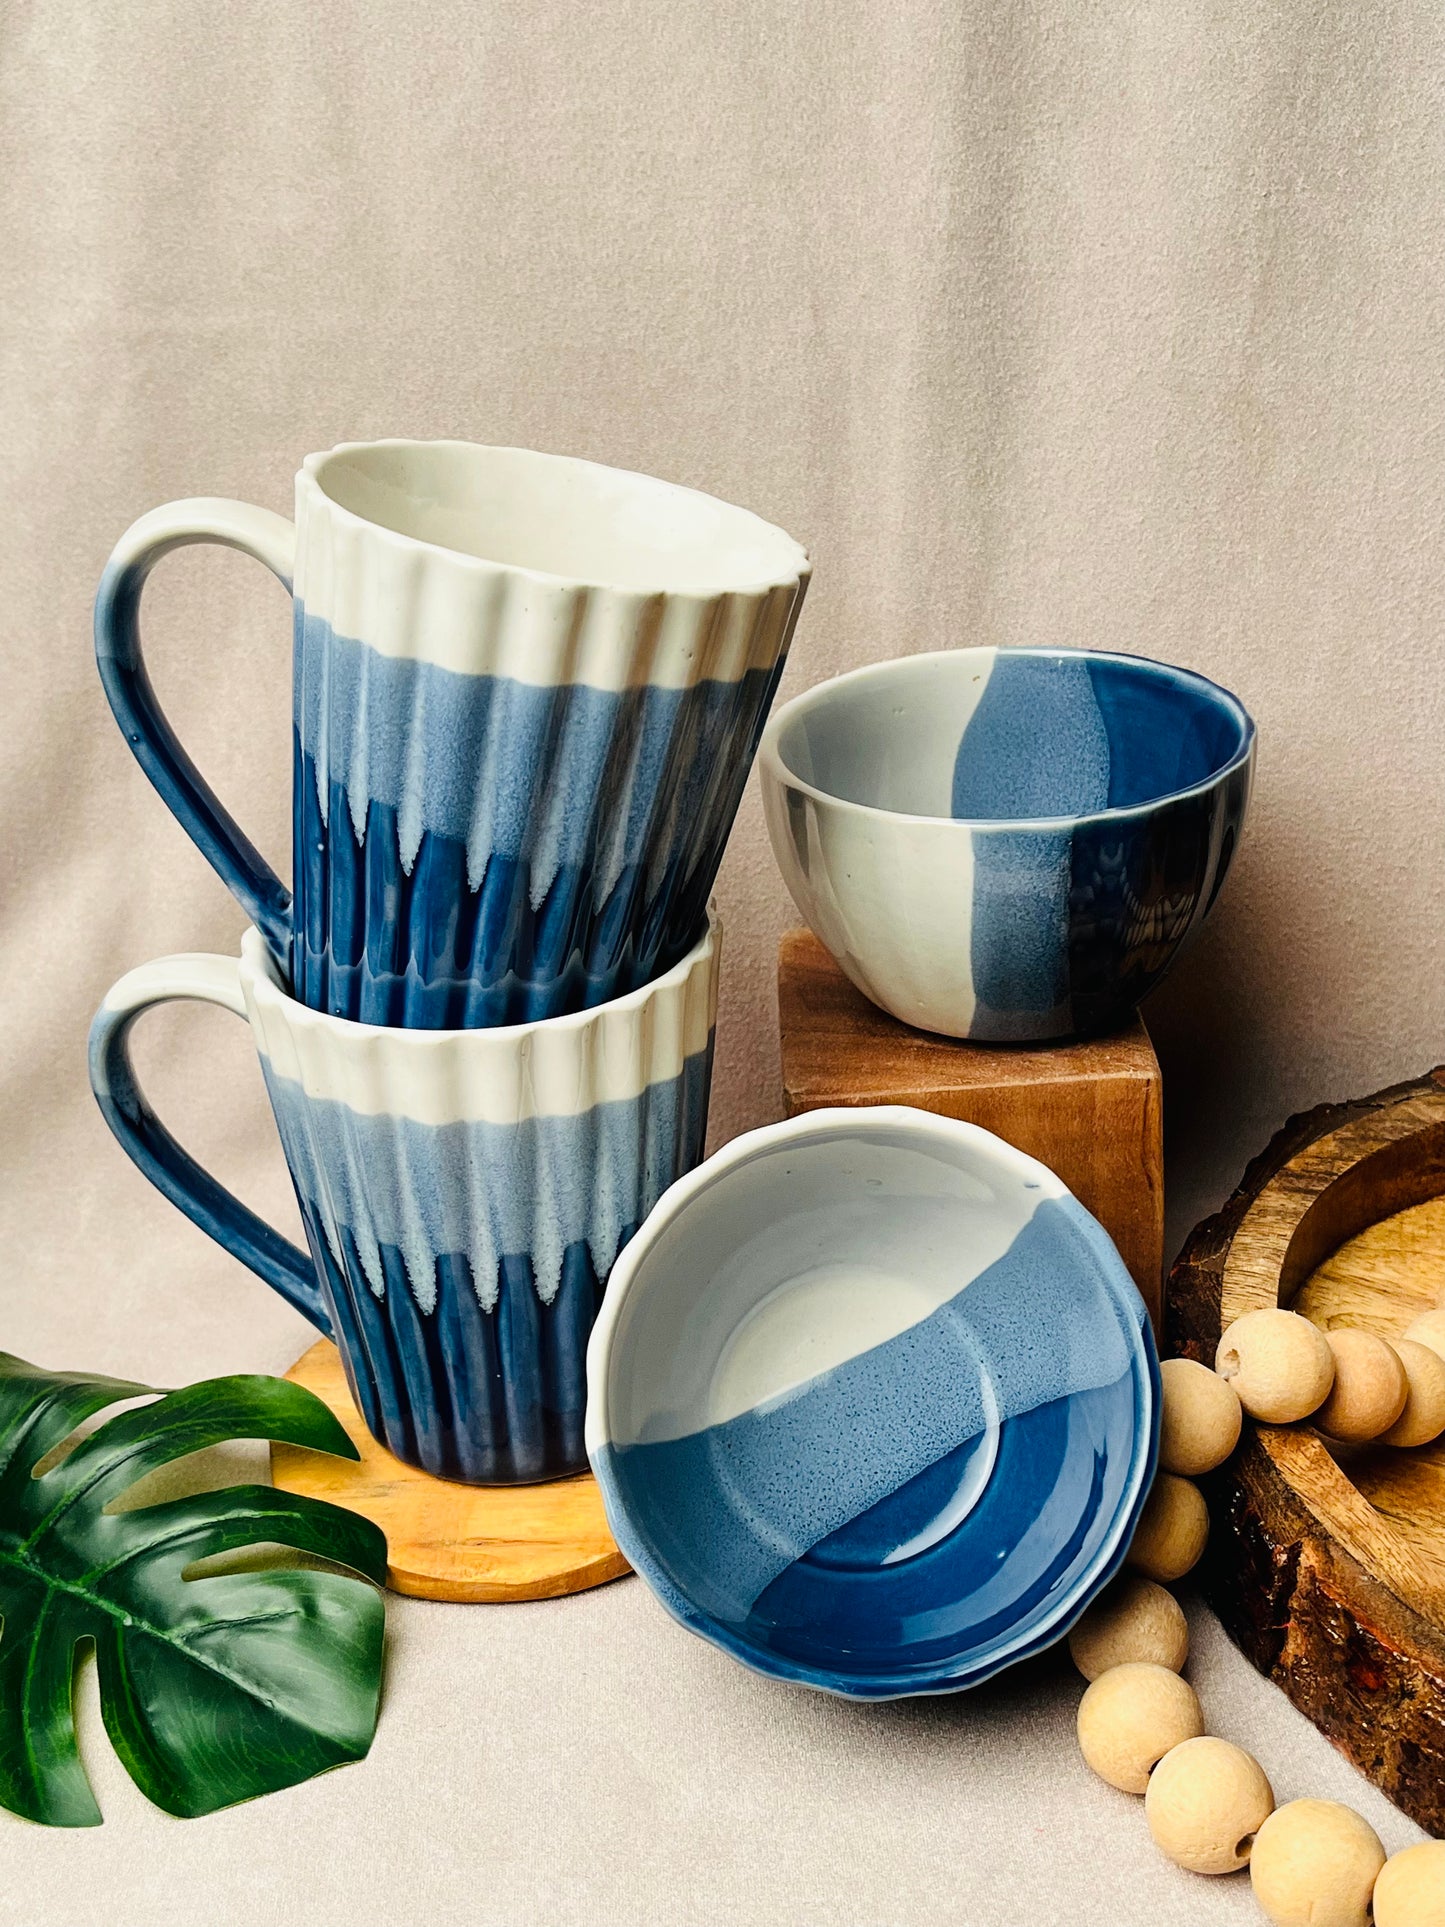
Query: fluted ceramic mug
[
  {"x": 527, "y": 692},
  {"x": 464, "y": 1193}
]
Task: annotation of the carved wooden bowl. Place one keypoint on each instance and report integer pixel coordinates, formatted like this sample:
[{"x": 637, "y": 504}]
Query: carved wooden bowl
[{"x": 1327, "y": 1563}]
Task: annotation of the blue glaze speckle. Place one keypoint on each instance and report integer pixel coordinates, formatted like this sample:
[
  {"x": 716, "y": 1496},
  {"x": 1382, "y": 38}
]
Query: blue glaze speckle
[
  {"x": 471, "y": 850},
  {"x": 1074, "y": 923},
  {"x": 1008, "y": 844},
  {"x": 1020, "y": 934},
  {"x": 936, "y": 1504},
  {"x": 1037, "y": 745},
  {"x": 462, "y": 1265},
  {"x": 492, "y": 1191}
]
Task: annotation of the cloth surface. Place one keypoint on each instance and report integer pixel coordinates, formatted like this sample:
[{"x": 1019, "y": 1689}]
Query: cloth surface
[{"x": 1035, "y": 322}]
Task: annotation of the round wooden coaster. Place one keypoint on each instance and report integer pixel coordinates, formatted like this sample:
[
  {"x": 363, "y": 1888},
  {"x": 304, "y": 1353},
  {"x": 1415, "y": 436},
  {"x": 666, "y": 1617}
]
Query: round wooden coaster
[
  {"x": 469, "y": 1543},
  {"x": 1327, "y": 1566}
]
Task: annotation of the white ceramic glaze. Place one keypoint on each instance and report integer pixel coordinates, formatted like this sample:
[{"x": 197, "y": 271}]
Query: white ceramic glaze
[{"x": 542, "y": 569}]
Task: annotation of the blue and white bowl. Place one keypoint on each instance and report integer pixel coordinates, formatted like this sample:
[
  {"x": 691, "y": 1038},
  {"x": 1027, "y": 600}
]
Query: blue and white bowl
[
  {"x": 464, "y": 1192},
  {"x": 873, "y": 1403},
  {"x": 1007, "y": 844}
]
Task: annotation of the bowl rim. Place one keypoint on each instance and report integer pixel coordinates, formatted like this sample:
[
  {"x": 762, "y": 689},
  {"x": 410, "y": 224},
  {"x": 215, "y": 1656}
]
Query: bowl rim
[
  {"x": 777, "y": 771},
  {"x": 842, "y": 1121}
]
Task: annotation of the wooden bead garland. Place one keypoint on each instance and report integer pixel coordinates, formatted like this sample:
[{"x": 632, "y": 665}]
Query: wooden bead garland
[
  {"x": 1410, "y": 1891},
  {"x": 1356, "y": 1385},
  {"x": 1314, "y": 1864},
  {"x": 1135, "y": 1620},
  {"x": 1201, "y": 1418},
  {"x": 1209, "y": 1804},
  {"x": 1280, "y": 1365},
  {"x": 1173, "y": 1529},
  {"x": 1130, "y": 1718},
  {"x": 1423, "y": 1418},
  {"x": 1206, "y": 1801},
  {"x": 1369, "y": 1389},
  {"x": 1429, "y": 1329}
]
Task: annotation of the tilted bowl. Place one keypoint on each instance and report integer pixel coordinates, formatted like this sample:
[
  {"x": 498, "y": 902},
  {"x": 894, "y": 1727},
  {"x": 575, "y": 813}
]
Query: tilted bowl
[
  {"x": 1007, "y": 844},
  {"x": 873, "y": 1402}
]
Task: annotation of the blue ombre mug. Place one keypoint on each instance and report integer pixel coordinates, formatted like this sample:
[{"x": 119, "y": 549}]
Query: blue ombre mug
[
  {"x": 464, "y": 1193},
  {"x": 527, "y": 692}
]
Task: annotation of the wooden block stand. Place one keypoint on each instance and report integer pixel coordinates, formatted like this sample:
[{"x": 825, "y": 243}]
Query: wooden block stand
[{"x": 1093, "y": 1112}]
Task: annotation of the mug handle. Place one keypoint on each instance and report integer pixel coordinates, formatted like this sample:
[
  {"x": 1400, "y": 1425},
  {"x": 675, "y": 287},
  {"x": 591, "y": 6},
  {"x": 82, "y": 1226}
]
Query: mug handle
[
  {"x": 208, "y": 980},
  {"x": 271, "y": 539}
]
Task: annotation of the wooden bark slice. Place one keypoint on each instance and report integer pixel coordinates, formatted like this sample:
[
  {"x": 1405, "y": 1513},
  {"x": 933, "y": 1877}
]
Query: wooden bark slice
[{"x": 1327, "y": 1566}]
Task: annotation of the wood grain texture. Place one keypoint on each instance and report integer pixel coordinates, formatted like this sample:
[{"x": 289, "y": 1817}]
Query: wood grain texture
[
  {"x": 1091, "y": 1111},
  {"x": 1327, "y": 1565},
  {"x": 466, "y": 1543}
]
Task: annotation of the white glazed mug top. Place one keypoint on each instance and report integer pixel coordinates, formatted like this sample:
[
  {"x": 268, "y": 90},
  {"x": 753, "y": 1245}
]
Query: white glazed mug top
[
  {"x": 555, "y": 1067},
  {"x": 555, "y": 516}
]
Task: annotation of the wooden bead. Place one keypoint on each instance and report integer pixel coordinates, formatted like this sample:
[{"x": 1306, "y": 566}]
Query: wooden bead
[
  {"x": 1314, "y": 1864},
  {"x": 1368, "y": 1394},
  {"x": 1130, "y": 1718},
  {"x": 1135, "y": 1621},
  {"x": 1279, "y": 1364},
  {"x": 1172, "y": 1531},
  {"x": 1429, "y": 1329},
  {"x": 1205, "y": 1803},
  {"x": 1201, "y": 1418},
  {"x": 1423, "y": 1418},
  {"x": 1410, "y": 1891}
]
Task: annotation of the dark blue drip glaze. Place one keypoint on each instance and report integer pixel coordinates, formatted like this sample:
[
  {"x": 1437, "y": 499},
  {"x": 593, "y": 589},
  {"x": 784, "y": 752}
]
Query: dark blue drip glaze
[
  {"x": 1076, "y": 920},
  {"x": 471, "y": 1363},
  {"x": 422, "y": 949},
  {"x": 948, "y": 1600},
  {"x": 473, "y": 851},
  {"x": 484, "y": 1397}
]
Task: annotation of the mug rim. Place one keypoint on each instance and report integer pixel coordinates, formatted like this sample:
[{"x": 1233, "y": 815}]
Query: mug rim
[
  {"x": 310, "y": 475},
  {"x": 262, "y": 975},
  {"x": 777, "y": 770}
]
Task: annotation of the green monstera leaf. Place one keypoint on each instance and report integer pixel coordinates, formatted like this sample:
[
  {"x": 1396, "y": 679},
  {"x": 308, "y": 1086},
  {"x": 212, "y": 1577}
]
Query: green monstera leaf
[{"x": 214, "y": 1688}]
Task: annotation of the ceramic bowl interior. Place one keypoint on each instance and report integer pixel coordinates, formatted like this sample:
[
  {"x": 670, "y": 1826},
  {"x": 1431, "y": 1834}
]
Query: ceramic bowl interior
[
  {"x": 1012, "y": 735},
  {"x": 873, "y": 1402}
]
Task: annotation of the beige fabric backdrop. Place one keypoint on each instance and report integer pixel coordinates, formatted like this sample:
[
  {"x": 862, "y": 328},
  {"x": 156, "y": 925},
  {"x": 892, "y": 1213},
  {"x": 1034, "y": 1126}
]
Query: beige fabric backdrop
[{"x": 1115, "y": 323}]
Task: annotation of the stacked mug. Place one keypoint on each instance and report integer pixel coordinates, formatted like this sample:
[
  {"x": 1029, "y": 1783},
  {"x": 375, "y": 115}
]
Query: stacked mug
[{"x": 527, "y": 691}]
